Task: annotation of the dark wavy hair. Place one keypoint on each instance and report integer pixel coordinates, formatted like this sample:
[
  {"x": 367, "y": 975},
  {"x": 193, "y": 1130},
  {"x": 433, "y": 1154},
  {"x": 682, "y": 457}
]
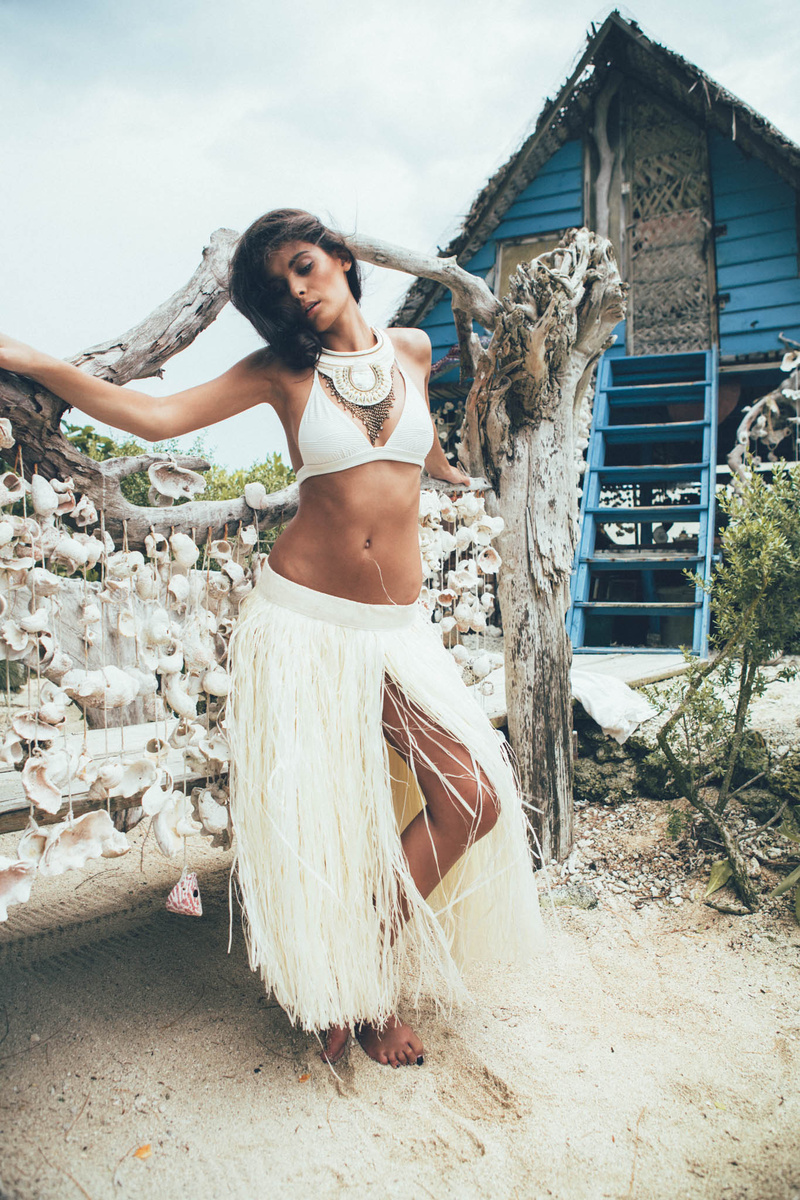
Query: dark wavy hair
[{"x": 270, "y": 310}]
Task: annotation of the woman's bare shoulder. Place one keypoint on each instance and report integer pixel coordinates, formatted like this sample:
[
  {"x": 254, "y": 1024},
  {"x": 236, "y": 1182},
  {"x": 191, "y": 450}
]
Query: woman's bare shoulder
[{"x": 413, "y": 342}]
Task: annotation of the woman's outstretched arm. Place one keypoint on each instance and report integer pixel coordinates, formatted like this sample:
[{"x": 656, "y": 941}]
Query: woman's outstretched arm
[{"x": 151, "y": 418}]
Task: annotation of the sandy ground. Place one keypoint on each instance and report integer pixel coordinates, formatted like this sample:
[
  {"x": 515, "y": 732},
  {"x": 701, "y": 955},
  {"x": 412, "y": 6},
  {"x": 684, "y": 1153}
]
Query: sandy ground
[{"x": 653, "y": 1052}]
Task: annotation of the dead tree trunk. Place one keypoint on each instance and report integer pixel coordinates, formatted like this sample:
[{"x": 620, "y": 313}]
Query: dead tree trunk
[{"x": 520, "y": 431}]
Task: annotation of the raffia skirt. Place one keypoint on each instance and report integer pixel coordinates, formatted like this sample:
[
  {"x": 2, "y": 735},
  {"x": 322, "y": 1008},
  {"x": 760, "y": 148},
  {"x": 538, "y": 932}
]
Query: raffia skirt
[{"x": 319, "y": 800}]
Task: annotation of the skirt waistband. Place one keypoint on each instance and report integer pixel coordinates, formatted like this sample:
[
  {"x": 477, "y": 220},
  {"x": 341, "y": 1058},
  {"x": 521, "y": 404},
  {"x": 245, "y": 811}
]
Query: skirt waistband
[{"x": 336, "y": 610}]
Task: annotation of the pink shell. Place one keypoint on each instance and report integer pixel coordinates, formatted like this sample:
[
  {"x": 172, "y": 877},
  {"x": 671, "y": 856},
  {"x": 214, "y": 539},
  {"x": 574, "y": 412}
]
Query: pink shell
[{"x": 185, "y": 896}]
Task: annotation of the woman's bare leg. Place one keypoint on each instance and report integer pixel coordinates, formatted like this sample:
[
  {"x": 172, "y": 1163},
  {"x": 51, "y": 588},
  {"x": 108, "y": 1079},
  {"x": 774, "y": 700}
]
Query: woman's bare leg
[{"x": 459, "y": 809}]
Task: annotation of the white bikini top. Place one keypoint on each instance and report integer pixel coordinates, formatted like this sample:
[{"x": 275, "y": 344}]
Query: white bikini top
[{"x": 329, "y": 440}]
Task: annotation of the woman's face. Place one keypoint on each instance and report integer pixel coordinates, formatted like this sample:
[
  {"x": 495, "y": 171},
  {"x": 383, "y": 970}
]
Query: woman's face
[{"x": 315, "y": 280}]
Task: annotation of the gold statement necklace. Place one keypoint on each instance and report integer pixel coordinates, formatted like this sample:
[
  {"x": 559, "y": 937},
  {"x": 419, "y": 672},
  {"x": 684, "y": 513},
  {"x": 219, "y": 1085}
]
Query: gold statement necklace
[{"x": 362, "y": 381}]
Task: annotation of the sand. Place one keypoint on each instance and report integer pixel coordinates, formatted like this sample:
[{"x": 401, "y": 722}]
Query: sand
[{"x": 653, "y": 1052}]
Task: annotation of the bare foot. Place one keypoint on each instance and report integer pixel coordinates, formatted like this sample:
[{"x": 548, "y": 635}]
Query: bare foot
[
  {"x": 335, "y": 1043},
  {"x": 395, "y": 1045}
]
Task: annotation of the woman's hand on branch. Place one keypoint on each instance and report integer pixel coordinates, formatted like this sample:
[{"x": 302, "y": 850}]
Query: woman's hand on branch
[{"x": 451, "y": 474}]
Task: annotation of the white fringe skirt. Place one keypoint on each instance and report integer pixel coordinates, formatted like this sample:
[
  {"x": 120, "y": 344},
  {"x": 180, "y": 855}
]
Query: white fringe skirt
[{"x": 319, "y": 800}]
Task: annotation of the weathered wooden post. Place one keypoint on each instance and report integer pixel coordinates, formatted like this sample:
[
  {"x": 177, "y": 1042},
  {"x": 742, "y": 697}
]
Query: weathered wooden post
[{"x": 520, "y": 430}]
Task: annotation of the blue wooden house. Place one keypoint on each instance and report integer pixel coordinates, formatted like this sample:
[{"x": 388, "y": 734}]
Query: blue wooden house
[{"x": 699, "y": 196}]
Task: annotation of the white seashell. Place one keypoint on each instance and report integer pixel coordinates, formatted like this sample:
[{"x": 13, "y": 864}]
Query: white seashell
[
  {"x": 487, "y": 602},
  {"x": 70, "y": 551},
  {"x": 248, "y": 536},
  {"x": 12, "y": 488},
  {"x": 460, "y": 654},
  {"x": 170, "y": 660},
  {"x": 255, "y": 495},
  {"x": 147, "y": 582},
  {"x": 216, "y": 681},
  {"x": 43, "y": 582},
  {"x": 137, "y": 774},
  {"x": 184, "y": 551},
  {"x": 447, "y": 508},
  {"x": 61, "y": 766},
  {"x": 155, "y": 798},
  {"x": 171, "y": 480},
  {"x": 157, "y": 629},
  {"x": 126, "y": 623},
  {"x": 157, "y": 546},
  {"x": 38, "y": 787},
  {"x": 234, "y": 571},
  {"x": 145, "y": 679},
  {"x": 178, "y": 588},
  {"x": 489, "y": 561},
  {"x": 91, "y": 836},
  {"x": 90, "y": 613},
  {"x": 447, "y": 542},
  {"x": 11, "y": 749},
  {"x": 174, "y": 822},
  {"x": 124, "y": 563},
  {"x": 38, "y": 621},
  {"x": 198, "y": 649},
  {"x": 429, "y": 510},
  {"x": 6, "y": 434},
  {"x": 486, "y": 688},
  {"x": 481, "y": 666},
  {"x": 463, "y": 537},
  {"x": 177, "y": 696},
  {"x": 220, "y": 550},
  {"x": 184, "y": 733},
  {"x": 157, "y": 499},
  {"x": 30, "y": 726},
  {"x": 107, "y": 780},
  {"x": 214, "y": 816},
  {"x": 43, "y": 497},
  {"x": 465, "y": 578},
  {"x": 15, "y": 638},
  {"x": 156, "y": 748},
  {"x": 478, "y": 620},
  {"x": 469, "y": 506},
  {"x": 60, "y": 663},
  {"x": 109, "y": 686},
  {"x": 84, "y": 512},
  {"x": 31, "y": 845},
  {"x": 481, "y": 535},
  {"x": 447, "y": 624},
  {"x": 16, "y": 881},
  {"x": 217, "y": 584},
  {"x": 6, "y": 532}
]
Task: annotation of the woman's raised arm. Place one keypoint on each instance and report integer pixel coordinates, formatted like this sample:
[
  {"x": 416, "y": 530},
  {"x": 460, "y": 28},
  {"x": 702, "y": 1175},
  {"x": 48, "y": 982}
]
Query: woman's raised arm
[{"x": 151, "y": 418}]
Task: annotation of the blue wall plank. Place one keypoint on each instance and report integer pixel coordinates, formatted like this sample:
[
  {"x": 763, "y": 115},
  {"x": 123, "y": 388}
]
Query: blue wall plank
[
  {"x": 552, "y": 202},
  {"x": 756, "y": 256}
]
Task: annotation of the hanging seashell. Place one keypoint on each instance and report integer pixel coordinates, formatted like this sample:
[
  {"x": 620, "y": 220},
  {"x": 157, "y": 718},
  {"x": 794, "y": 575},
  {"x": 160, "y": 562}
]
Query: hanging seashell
[
  {"x": 39, "y": 789},
  {"x": 43, "y": 582},
  {"x": 38, "y": 621},
  {"x": 92, "y": 545},
  {"x": 220, "y": 550},
  {"x": 460, "y": 654},
  {"x": 155, "y": 798},
  {"x": 31, "y": 845},
  {"x": 124, "y": 563},
  {"x": 91, "y": 836},
  {"x": 157, "y": 748},
  {"x": 173, "y": 823},
  {"x": 157, "y": 546},
  {"x": 489, "y": 561},
  {"x": 176, "y": 482},
  {"x": 14, "y": 641},
  {"x": 216, "y": 681},
  {"x": 84, "y": 512},
  {"x": 429, "y": 510},
  {"x": 234, "y": 571},
  {"x": 469, "y": 506},
  {"x": 126, "y": 623},
  {"x": 69, "y": 551},
  {"x": 255, "y": 495},
  {"x": 447, "y": 625},
  {"x": 214, "y": 816},
  {"x": 185, "y": 896},
  {"x": 447, "y": 509},
  {"x": 478, "y": 620},
  {"x": 147, "y": 582},
  {"x": 137, "y": 774},
  {"x": 43, "y": 497},
  {"x": 157, "y": 629},
  {"x": 447, "y": 542},
  {"x": 16, "y": 881},
  {"x": 11, "y": 749},
  {"x": 487, "y": 602},
  {"x": 184, "y": 552},
  {"x": 248, "y": 536},
  {"x": 481, "y": 666},
  {"x": 486, "y": 688},
  {"x": 463, "y": 537},
  {"x": 6, "y": 434},
  {"x": 184, "y": 733},
  {"x": 107, "y": 780},
  {"x": 30, "y": 728},
  {"x": 170, "y": 661},
  {"x": 177, "y": 696},
  {"x": 198, "y": 649},
  {"x": 107, "y": 687},
  {"x": 60, "y": 663},
  {"x": 90, "y": 613},
  {"x": 6, "y": 533},
  {"x": 217, "y": 584},
  {"x": 12, "y": 488},
  {"x": 178, "y": 588}
]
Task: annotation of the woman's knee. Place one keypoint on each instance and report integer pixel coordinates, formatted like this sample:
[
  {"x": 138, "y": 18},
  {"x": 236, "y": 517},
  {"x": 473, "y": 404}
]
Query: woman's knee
[{"x": 471, "y": 808}]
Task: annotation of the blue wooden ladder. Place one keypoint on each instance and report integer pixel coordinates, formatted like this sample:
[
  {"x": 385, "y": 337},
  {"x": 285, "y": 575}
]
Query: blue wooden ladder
[{"x": 646, "y": 425}]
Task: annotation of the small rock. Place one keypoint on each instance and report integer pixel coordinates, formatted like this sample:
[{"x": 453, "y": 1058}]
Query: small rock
[{"x": 574, "y": 895}]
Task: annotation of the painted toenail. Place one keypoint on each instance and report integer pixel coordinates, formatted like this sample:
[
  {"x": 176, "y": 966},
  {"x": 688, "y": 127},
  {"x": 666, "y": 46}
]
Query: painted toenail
[{"x": 420, "y": 1060}]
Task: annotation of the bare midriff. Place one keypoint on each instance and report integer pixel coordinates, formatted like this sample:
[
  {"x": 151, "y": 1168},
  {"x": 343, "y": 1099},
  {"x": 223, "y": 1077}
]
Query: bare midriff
[{"x": 356, "y": 534}]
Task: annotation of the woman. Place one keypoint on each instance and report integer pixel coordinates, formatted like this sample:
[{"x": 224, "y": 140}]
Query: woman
[{"x": 332, "y": 661}]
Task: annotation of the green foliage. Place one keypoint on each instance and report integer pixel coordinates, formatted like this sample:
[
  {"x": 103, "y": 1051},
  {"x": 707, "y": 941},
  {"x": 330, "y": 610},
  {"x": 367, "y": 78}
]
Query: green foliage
[
  {"x": 754, "y": 596},
  {"x": 677, "y": 822}
]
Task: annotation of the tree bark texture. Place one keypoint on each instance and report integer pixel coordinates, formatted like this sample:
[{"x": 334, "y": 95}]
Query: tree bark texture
[{"x": 520, "y": 428}]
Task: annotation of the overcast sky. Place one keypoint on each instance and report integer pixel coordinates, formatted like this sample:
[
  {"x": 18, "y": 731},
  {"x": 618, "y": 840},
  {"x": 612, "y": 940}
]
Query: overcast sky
[{"x": 129, "y": 132}]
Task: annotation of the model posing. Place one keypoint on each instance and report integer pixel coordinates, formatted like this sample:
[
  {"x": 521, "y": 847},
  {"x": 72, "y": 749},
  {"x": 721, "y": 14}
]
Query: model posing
[{"x": 350, "y": 887}]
